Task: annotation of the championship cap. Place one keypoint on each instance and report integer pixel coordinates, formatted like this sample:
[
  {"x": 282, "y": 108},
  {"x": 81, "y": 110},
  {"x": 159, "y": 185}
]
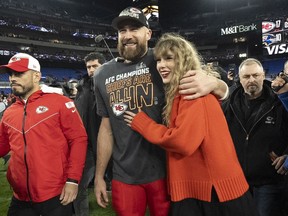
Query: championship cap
[
  {"x": 21, "y": 62},
  {"x": 133, "y": 14}
]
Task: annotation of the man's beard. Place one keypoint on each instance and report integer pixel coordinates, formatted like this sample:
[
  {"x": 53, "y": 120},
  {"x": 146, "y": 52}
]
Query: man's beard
[
  {"x": 253, "y": 91},
  {"x": 23, "y": 93},
  {"x": 132, "y": 54}
]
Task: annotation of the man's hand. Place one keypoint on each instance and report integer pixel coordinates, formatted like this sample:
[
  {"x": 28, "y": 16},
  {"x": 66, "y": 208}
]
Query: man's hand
[
  {"x": 100, "y": 192},
  {"x": 105, "y": 144},
  {"x": 69, "y": 193},
  {"x": 278, "y": 162},
  {"x": 230, "y": 75},
  {"x": 196, "y": 83},
  {"x": 279, "y": 84}
]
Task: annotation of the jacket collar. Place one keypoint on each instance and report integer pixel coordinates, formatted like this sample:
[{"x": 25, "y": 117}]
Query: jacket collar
[{"x": 34, "y": 96}]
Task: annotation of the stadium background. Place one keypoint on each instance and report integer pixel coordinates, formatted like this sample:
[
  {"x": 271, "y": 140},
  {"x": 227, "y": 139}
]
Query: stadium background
[{"x": 61, "y": 32}]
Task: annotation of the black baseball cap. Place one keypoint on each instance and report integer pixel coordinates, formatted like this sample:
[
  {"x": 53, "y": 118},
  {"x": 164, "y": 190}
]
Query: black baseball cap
[{"x": 133, "y": 14}]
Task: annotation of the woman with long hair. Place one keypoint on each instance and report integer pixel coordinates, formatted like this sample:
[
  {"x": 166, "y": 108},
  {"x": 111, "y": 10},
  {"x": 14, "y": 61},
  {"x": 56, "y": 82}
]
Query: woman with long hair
[{"x": 204, "y": 175}]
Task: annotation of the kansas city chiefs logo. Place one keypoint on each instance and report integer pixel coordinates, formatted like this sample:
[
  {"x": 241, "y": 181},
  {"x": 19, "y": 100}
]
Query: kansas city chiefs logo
[
  {"x": 119, "y": 108},
  {"x": 41, "y": 109}
]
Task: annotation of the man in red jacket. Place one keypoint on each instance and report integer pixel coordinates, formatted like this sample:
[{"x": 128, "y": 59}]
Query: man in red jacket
[{"x": 47, "y": 142}]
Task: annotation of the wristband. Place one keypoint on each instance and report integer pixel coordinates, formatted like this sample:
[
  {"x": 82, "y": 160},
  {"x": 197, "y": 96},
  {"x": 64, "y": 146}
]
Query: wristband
[{"x": 69, "y": 180}]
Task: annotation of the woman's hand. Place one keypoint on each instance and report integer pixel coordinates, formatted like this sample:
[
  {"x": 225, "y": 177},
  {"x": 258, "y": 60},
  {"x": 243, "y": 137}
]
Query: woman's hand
[{"x": 128, "y": 117}]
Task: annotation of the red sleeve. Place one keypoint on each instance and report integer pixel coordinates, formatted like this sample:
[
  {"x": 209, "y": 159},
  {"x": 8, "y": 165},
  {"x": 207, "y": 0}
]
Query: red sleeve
[
  {"x": 4, "y": 141},
  {"x": 188, "y": 131},
  {"x": 75, "y": 133}
]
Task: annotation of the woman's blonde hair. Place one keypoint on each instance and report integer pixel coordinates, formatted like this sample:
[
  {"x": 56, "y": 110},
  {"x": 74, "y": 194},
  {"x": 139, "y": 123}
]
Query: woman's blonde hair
[{"x": 186, "y": 58}]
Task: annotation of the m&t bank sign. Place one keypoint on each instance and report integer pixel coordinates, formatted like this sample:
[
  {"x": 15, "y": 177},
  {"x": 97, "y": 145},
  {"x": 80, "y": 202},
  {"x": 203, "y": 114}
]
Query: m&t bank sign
[{"x": 238, "y": 29}]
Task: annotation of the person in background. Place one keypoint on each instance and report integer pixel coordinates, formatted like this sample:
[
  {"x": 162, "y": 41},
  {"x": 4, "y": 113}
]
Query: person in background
[
  {"x": 279, "y": 86},
  {"x": 129, "y": 82},
  {"x": 71, "y": 88},
  {"x": 231, "y": 77},
  {"x": 86, "y": 105},
  {"x": 10, "y": 99},
  {"x": 258, "y": 124},
  {"x": 286, "y": 68},
  {"x": 47, "y": 141},
  {"x": 214, "y": 66},
  {"x": 195, "y": 136}
]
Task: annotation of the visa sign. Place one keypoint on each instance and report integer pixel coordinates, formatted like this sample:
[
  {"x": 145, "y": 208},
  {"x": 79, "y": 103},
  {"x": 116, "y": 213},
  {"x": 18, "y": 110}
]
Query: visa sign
[
  {"x": 238, "y": 29},
  {"x": 277, "y": 49}
]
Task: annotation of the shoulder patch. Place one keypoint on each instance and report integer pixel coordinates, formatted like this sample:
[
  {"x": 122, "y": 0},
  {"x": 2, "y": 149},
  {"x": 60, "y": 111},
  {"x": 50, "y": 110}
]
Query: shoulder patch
[{"x": 70, "y": 104}]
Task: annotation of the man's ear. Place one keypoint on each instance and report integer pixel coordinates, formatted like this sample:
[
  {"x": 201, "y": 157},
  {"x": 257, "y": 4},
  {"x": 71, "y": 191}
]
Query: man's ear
[
  {"x": 149, "y": 34},
  {"x": 37, "y": 76}
]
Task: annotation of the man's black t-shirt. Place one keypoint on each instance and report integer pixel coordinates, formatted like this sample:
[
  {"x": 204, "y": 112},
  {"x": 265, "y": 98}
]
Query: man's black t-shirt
[{"x": 123, "y": 86}]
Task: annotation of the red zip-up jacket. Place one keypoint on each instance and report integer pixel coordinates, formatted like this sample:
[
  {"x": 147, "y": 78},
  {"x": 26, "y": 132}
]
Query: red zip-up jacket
[{"x": 47, "y": 142}]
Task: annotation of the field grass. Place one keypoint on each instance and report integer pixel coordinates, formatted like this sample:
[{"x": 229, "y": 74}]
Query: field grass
[
  {"x": 6, "y": 194},
  {"x": 95, "y": 210},
  {"x": 5, "y": 190}
]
